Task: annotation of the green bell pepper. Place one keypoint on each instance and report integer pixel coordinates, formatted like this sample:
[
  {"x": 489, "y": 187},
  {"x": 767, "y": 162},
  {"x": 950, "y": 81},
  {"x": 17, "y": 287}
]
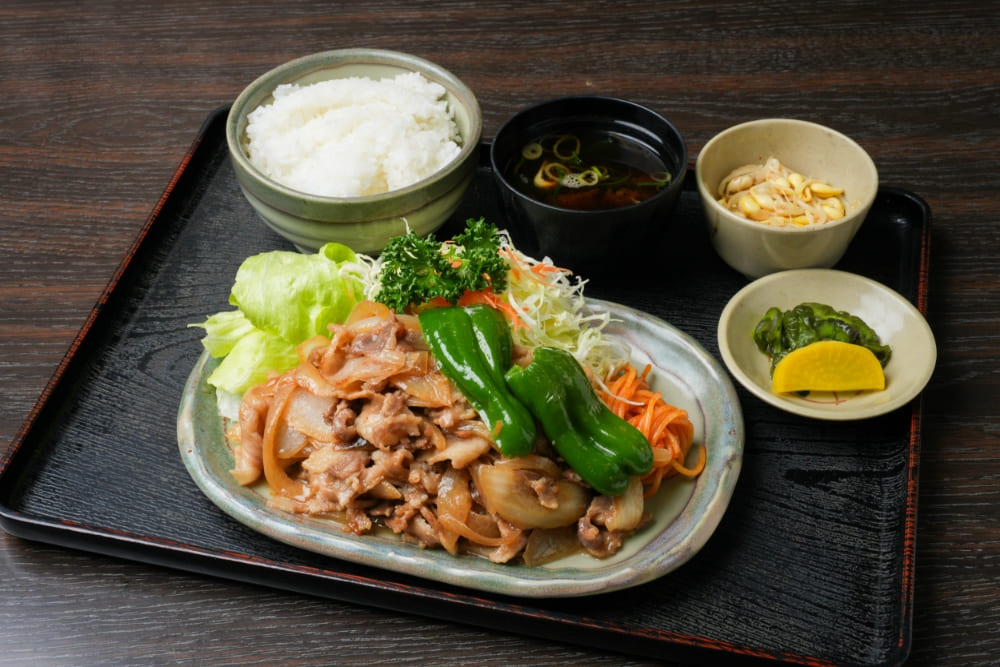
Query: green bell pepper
[
  {"x": 472, "y": 347},
  {"x": 604, "y": 449},
  {"x": 493, "y": 335}
]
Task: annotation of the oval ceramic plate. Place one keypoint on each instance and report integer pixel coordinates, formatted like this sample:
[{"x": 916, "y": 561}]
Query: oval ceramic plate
[
  {"x": 685, "y": 512},
  {"x": 893, "y": 318}
]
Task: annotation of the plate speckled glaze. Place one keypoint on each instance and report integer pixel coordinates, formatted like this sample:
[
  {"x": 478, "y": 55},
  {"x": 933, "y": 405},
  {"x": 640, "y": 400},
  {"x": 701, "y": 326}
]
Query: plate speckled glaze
[
  {"x": 897, "y": 322},
  {"x": 685, "y": 512}
]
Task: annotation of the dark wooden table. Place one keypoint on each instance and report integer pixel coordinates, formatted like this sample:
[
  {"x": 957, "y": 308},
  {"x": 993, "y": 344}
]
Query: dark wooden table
[{"x": 102, "y": 99}]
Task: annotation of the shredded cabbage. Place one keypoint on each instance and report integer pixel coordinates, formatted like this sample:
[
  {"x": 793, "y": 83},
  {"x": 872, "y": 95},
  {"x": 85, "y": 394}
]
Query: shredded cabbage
[{"x": 549, "y": 301}]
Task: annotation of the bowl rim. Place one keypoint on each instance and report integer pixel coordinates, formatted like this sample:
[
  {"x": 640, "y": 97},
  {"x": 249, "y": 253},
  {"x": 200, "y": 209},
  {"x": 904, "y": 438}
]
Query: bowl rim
[
  {"x": 333, "y": 59},
  {"x": 676, "y": 180},
  {"x": 708, "y": 196}
]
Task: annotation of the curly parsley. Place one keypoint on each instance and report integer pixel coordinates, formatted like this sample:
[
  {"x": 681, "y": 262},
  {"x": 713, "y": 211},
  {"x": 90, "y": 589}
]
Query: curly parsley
[{"x": 415, "y": 269}]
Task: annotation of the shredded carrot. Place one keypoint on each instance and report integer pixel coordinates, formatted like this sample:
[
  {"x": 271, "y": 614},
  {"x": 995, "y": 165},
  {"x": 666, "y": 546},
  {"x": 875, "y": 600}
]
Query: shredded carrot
[
  {"x": 692, "y": 472},
  {"x": 668, "y": 428},
  {"x": 484, "y": 296},
  {"x": 490, "y": 298},
  {"x": 546, "y": 268},
  {"x": 539, "y": 269}
]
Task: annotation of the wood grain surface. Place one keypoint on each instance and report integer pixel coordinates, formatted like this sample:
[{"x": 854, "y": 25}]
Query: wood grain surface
[{"x": 102, "y": 99}]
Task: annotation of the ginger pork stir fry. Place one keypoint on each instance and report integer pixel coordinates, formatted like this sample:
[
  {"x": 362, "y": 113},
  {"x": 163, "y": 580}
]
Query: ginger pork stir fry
[{"x": 367, "y": 431}]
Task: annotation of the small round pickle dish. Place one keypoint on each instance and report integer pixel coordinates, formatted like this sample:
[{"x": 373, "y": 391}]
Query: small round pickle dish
[
  {"x": 897, "y": 322},
  {"x": 685, "y": 512}
]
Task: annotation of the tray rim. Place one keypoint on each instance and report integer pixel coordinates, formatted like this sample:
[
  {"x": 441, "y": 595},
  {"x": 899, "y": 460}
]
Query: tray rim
[{"x": 509, "y": 616}]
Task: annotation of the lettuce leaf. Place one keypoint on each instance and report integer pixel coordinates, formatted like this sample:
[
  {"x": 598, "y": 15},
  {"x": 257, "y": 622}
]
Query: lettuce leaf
[
  {"x": 295, "y": 296},
  {"x": 282, "y": 298},
  {"x": 223, "y": 330},
  {"x": 250, "y": 360}
]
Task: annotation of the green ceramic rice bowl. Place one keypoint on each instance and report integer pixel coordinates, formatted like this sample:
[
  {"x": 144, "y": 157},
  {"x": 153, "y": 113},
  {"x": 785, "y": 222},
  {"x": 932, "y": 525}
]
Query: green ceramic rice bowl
[{"x": 363, "y": 222}]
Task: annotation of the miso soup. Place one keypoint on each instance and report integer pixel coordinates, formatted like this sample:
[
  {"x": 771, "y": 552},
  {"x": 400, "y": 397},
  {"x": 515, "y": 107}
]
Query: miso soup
[{"x": 588, "y": 170}]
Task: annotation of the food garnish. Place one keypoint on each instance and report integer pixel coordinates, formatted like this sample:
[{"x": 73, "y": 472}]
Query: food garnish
[
  {"x": 415, "y": 270},
  {"x": 828, "y": 365},
  {"x": 779, "y": 333},
  {"x": 773, "y": 194},
  {"x": 667, "y": 428}
]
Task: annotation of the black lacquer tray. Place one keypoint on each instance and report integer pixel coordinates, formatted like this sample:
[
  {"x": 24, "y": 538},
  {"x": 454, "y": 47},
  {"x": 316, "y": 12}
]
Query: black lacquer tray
[{"x": 812, "y": 563}]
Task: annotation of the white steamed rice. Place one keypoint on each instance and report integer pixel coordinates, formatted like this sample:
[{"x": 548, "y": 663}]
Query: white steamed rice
[{"x": 353, "y": 136}]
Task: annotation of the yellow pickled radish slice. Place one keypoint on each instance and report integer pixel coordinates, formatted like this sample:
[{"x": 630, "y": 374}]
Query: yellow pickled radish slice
[{"x": 828, "y": 365}]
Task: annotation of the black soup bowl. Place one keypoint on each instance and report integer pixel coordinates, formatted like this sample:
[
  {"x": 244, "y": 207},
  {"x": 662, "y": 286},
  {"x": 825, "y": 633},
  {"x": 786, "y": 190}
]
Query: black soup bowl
[{"x": 589, "y": 181}]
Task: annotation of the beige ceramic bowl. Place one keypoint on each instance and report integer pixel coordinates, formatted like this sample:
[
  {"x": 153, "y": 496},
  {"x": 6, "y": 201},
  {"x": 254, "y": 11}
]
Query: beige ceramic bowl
[
  {"x": 364, "y": 223},
  {"x": 755, "y": 249},
  {"x": 896, "y": 321}
]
